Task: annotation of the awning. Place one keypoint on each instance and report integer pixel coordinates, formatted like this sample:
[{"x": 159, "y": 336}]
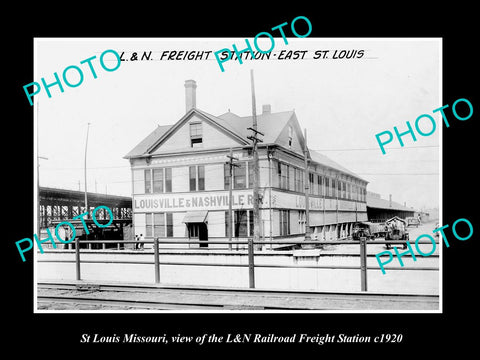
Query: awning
[{"x": 195, "y": 216}]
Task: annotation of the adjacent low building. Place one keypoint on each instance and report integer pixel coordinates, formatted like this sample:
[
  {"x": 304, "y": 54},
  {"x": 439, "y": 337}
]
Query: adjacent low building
[
  {"x": 181, "y": 177},
  {"x": 380, "y": 210}
]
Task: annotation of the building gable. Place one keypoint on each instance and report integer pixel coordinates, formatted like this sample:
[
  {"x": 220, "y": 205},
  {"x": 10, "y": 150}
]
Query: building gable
[
  {"x": 291, "y": 136},
  {"x": 196, "y": 130}
]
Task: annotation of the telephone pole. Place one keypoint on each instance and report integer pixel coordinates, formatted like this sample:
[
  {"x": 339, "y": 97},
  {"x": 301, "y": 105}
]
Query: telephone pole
[
  {"x": 39, "y": 217},
  {"x": 255, "y": 140},
  {"x": 85, "y": 173},
  {"x": 230, "y": 187},
  {"x": 307, "y": 190}
]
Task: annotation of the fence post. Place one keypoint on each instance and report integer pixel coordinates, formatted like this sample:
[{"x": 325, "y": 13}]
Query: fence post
[
  {"x": 157, "y": 260},
  {"x": 77, "y": 257},
  {"x": 363, "y": 263},
  {"x": 251, "y": 265}
]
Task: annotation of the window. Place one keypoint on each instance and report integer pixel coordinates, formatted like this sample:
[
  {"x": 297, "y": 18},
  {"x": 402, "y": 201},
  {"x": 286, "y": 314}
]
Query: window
[
  {"x": 320, "y": 185},
  {"x": 193, "y": 178},
  {"x": 283, "y": 176},
  {"x": 299, "y": 185},
  {"x": 157, "y": 180},
  {"x": 301, "y": 221},
  {"x": 159, "y": 225},
  {"x": 193, "y": 231},
  {"x": 197, "y": 177},
  {"x": 328, "y": 190},
  {"x": 168, "y": 179},
  {"x": 196, "y": 135},
  {"x": 242, "y": 223},
  {"x": 148, "y": 181},
  {"x": 291, "y": 178},
  {"x": 169, "y": 224},
  {"x": 311, "y": 180},
  {"x": 344, "y": 187},
  {"x": 240, "y": 176},
  {"x": 148, "y": 225},
  {"x": 284, "y": 222},
  {"x": 201, "y": 177}
]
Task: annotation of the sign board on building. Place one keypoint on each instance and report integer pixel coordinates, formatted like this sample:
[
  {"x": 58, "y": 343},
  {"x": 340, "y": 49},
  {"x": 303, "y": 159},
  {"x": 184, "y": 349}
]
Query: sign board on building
[{"x": 193, "y": 201}]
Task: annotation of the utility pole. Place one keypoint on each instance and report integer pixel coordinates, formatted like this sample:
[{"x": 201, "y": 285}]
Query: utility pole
[
  {"x": 230, "y": 187},
  {"x": 39, "y": 207},
  {"x": 87, "y": 209},
  {"x": 38, "y": 184},
  {"x": 255, "y": 140},
  {"x": 85, "y": 172},
  {"x": 336, "y": 206},
  {"x": 307, "y": 189}
]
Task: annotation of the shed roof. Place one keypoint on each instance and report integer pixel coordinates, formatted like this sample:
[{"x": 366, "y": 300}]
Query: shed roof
[{"x": 379, "y": 203}]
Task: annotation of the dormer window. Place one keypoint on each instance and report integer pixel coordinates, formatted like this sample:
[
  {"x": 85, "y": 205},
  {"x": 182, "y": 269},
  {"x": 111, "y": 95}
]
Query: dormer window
[{"x": 196, "y": 136}]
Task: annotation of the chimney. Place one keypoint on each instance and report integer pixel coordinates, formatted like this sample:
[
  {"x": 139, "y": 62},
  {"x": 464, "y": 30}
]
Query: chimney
[
  {"x": 390, "y": 199},
  {"x": 266, "y": 109},
  {"x": 190, "y": 94}
]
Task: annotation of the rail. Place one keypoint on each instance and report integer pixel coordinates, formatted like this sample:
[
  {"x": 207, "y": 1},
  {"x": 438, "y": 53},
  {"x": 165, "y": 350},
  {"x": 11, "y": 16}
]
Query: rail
[{"x": 250, "y": 252}]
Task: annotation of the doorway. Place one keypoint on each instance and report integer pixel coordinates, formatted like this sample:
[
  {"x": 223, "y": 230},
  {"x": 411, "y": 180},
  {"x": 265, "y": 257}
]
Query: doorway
[{"x": 198, "y": 232}]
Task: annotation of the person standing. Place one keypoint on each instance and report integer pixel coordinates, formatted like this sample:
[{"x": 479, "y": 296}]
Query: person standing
[{"x": 141, "y": 241}]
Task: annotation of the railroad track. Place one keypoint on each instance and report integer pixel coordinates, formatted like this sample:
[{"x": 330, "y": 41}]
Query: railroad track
[{"x": 74, "y": 295}]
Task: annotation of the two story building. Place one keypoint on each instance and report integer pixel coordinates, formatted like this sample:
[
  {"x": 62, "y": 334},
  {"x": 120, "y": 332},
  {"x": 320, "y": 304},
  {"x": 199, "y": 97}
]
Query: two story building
[{"x": 181, "y": 179}]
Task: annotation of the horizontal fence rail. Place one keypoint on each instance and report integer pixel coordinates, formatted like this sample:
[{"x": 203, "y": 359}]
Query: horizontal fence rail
[{"x": 249, "y": 250}]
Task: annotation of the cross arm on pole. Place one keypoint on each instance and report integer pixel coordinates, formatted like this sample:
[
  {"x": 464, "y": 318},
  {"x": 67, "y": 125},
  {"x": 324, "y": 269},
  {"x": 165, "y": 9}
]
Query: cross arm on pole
[{"x": 256, "y": 131}]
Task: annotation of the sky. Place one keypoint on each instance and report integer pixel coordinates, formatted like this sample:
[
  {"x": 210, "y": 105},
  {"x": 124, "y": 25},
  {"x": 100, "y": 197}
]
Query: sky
[{"x": 342, "y": 103}]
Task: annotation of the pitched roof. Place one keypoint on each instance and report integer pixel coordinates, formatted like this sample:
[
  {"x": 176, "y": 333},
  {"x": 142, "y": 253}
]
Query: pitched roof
[
  {"x": 270, "y": 124},
  {"x": 143, "y": 145},
  {"x": 323, "y": 160},
  {"x": 225, "y": 123},
  {"x": 379, "y": 203}
]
